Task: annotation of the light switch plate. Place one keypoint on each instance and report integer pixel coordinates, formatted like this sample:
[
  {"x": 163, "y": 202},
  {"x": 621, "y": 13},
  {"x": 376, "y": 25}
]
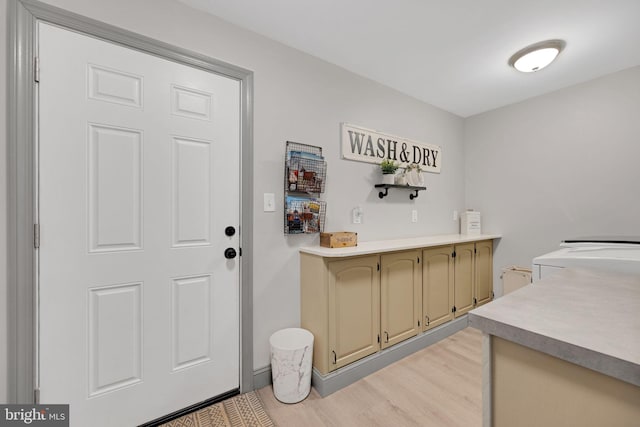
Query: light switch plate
[
  {"x": 414, "y": 215},
  {"x": 269, "y": 202}
]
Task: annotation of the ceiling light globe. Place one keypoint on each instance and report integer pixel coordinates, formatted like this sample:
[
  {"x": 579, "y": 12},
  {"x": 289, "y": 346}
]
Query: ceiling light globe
[
  {"x": 536, "y": 60},
  {"x": 537, "y": 56}
]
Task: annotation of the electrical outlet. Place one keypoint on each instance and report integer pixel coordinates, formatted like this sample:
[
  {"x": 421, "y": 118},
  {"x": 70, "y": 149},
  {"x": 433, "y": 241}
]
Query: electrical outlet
[
  {"x": 455, "y": 215},
  {"x": 414, "y": 215},
  {"x": 357, "y": 215}
]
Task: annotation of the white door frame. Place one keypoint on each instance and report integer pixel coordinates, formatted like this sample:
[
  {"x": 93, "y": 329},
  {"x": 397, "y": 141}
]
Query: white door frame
[{"x": 22, "y": 169}]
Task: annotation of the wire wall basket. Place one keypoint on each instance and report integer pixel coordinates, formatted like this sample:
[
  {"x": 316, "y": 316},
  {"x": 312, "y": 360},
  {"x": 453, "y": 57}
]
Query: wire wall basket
[
  {"x": 305, "y": 174},
  {"x": 306, "y": 169},
  {"x": 304, "y": 215}
]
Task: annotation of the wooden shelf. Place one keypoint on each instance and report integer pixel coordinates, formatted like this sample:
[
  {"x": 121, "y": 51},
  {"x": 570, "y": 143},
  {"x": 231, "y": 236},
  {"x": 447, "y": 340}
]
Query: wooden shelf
[{"x": 407, "y": 187}]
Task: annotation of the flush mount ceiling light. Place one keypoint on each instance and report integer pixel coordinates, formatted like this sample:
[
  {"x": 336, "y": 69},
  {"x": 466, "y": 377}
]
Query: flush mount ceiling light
[{"x": 537, "y": 56}]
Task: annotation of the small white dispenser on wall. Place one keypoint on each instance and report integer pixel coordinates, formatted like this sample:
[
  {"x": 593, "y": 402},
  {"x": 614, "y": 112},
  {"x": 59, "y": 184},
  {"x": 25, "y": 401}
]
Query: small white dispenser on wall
[{"x": 470, "y": 222}]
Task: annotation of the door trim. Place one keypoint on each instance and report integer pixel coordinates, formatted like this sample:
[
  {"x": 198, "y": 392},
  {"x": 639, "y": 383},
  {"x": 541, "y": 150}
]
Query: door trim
[{"x": 22, "y": 168}]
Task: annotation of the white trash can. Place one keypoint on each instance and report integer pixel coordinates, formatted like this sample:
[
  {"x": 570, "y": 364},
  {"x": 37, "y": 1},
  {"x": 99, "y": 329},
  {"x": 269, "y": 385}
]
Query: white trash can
[{"x": 291, "y": 356}]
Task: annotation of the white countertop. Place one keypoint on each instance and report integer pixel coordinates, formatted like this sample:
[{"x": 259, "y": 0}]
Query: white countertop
[
  {"x": 587, "y": 317},
  {"x": 377, "y": 246}
]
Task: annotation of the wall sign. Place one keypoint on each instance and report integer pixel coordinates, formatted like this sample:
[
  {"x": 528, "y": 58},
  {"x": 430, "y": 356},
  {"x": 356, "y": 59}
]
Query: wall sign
[{"x": 365, "y": 145}]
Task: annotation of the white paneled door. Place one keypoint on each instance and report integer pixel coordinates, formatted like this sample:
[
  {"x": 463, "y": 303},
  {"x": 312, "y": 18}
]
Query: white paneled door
[{"x": 138, "y": 181}]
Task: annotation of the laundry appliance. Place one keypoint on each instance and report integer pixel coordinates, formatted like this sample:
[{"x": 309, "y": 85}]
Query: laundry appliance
[{"x": 617, "y": 254}]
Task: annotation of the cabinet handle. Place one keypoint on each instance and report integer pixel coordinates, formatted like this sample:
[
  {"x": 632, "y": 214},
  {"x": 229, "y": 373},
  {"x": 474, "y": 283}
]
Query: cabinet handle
[
  {"x": 334, "y": 357},
  {"x": 386, "y": 335},
  {"x": 426, "y": 318}
]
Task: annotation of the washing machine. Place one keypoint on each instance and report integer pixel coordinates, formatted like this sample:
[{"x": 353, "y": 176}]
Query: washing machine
[{"x": 617, "y": 254}]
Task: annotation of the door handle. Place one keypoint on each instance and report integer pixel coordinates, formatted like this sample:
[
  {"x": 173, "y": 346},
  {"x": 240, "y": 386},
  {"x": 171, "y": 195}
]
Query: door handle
[
  {"x": 230, "y": 253},
  {"x": 386, "y": 335}
]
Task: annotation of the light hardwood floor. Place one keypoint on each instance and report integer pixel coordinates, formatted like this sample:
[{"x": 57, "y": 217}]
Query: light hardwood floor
[{"x": 437, "y": 386}]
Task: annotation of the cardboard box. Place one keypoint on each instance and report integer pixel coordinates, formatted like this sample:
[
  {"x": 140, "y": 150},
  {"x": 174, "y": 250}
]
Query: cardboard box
[{"x": 338, "y": 239}]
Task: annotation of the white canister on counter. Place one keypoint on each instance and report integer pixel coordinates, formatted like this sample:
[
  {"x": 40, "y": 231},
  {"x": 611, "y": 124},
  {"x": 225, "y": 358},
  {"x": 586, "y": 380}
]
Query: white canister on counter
[{"x": 470, "y": 223}]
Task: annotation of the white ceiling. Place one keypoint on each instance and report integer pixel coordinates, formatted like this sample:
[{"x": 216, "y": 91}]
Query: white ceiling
[{"x": 450, "y": 53}]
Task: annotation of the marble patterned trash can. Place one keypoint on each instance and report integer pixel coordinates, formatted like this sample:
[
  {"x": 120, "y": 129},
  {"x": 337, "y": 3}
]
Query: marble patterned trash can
[{"x": 291, "y": 357}]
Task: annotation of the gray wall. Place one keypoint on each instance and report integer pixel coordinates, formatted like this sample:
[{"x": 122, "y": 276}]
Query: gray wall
[
  {"x": 303, "y": 99},
  {"x": 558, "y": 166},
  {"x": 3, "y": 202}
]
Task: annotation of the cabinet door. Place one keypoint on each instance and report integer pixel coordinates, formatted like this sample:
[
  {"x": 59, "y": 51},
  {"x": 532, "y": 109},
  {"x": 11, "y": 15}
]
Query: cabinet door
[
  {"x": 437, "y": 286},
  {"x": 400, "y": 293},
  {"x": 354, "y": 310},
  {"x": 484, "y": 272},
  {"x": 464, "y": 278}
]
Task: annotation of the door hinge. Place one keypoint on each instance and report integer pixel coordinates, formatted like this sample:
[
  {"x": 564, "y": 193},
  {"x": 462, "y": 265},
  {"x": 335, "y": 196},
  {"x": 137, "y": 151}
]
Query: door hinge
[
  {"x": 418, "y": 323},
  {"x": 475, "y": 251},
  {"x": 378, "y": 338},
  {"x": 493, "y": 295},
  {"x": 36, "y": 69},
  {"x": 378, "y": 266},
  {"x": 36, "y": 236},
  {"x": 453, "y": 254},
  {"x": 240, "y": 251},
  {"x": 36, "y": 396},
  {"x": 475, "y": 302},
  {"x": 418, "y": 260}
]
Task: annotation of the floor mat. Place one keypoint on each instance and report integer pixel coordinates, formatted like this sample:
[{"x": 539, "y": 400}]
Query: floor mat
[{"x": 244, "y": 410}]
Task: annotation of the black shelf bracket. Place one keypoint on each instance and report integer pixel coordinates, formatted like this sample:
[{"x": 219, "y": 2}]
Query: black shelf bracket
[
  {"x": 386, "y": 187},
  {"x": 383, "y": 195}
]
